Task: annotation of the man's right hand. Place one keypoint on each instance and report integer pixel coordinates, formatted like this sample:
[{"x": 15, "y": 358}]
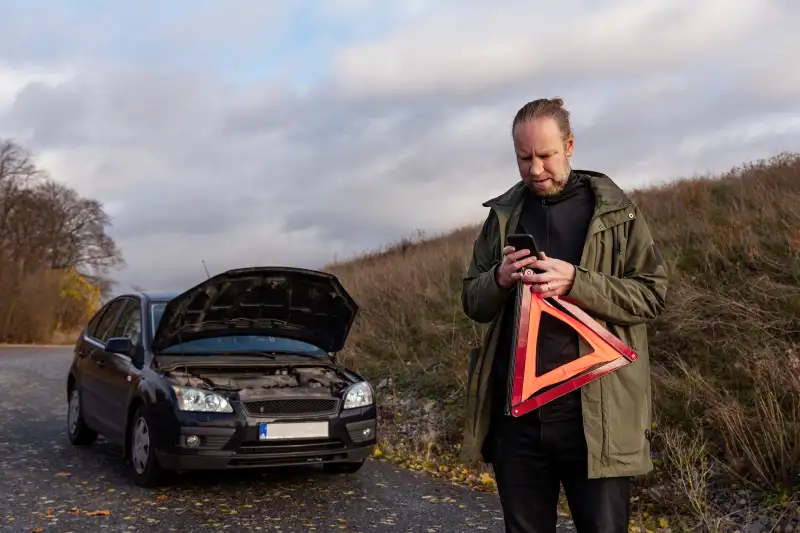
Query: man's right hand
[{"x": 510, "y": 270}]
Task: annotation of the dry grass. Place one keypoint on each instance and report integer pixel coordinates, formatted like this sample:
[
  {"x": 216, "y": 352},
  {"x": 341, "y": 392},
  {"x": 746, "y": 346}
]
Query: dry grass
[
  {"x": 29, "y": 304},
  {"x": 411, "y": 320},
  {"x": 42, "y": 306},
  {"x": 725, "y": 352}
]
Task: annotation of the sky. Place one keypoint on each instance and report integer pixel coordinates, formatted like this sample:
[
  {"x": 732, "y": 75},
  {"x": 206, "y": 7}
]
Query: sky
[{"x": 260, "y": 132}]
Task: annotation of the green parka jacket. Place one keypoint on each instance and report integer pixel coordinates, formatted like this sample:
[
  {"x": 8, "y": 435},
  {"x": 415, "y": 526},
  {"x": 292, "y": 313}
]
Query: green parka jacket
[{"x": 621, "y": 282}]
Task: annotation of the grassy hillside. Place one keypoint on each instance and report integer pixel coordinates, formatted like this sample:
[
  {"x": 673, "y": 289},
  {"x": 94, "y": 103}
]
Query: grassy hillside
[{"x": 726, "y": 352}]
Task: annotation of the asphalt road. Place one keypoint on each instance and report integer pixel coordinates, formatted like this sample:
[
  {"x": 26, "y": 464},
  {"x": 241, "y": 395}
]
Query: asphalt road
[{"x": 47, "y": 485}]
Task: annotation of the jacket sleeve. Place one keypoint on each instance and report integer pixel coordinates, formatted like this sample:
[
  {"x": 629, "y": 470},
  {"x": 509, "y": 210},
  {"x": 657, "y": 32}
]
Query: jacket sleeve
[
  {"x": 637, "y": 297},
  {"x": 481, "y": 296}
]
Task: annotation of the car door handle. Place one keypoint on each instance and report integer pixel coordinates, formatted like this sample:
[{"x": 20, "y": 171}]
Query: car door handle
[{"x": 100, "y": 362}]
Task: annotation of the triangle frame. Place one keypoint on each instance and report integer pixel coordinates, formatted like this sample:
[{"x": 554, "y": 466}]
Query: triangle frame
[{"x": 530, "y": 391}]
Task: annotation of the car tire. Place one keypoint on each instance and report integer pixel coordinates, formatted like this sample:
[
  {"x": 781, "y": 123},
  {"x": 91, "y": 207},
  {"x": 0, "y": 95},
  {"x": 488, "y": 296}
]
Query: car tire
[
  {"x": 79, "y": 433},
  {"x": 147, "y": 472},
  {"x": 345, "y": 468}
]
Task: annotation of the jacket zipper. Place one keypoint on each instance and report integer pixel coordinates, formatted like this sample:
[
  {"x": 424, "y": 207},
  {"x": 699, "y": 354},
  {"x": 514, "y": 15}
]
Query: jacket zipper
[
  {"x": 540, "y": 410},
  {"x": 547, "y": 222}
]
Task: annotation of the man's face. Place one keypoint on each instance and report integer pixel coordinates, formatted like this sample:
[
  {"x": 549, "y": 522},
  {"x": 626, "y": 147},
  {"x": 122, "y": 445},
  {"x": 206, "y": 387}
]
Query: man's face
[{"x": 542, "y": 156}]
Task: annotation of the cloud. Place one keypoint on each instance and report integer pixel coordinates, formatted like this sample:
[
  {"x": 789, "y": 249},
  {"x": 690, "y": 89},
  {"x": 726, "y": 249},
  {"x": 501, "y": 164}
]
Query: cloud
[
  {"x": 248, "y": 133},
  {"x": 467, "y": 49},
  {"x": 15, "y": 79}
]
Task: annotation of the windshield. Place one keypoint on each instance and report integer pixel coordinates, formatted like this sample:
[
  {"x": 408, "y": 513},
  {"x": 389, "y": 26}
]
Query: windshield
[{"x": 234, "y": 343}]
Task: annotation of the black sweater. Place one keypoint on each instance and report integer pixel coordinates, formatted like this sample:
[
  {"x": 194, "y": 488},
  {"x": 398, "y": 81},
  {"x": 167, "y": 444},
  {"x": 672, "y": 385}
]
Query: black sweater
[{"x": 559, "y": 225}]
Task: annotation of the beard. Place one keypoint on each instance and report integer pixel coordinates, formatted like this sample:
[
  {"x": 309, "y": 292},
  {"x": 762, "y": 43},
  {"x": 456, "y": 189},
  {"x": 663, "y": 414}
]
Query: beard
[{"x": 547, "y": 185}]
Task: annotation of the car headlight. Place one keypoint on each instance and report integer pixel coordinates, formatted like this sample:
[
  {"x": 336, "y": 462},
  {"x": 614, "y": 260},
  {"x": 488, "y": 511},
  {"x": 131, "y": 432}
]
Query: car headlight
[
  {"x": 190, "y": 399},
  {"x": 359, "y": 395}
]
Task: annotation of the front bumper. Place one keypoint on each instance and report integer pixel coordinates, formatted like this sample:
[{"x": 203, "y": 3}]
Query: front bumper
[{"x": 231, "y": 441}]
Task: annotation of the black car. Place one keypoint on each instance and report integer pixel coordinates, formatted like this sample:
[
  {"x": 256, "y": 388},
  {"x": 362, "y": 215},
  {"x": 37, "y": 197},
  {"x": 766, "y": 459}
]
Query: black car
[{"x": 238, "y": 372}]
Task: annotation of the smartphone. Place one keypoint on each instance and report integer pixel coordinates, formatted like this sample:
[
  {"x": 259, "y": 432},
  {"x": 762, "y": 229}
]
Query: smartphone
[{"x": 523, "y": 241}]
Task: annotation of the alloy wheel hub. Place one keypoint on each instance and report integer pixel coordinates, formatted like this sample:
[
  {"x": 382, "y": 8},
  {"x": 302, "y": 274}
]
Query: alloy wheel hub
[
  {"x": 141, "y": 445},
  {"x": 74, "y": 411}
]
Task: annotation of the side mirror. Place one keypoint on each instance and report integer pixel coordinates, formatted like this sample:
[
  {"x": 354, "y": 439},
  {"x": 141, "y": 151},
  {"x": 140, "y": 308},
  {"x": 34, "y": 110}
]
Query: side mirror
[{"x": 120, "y": 345}]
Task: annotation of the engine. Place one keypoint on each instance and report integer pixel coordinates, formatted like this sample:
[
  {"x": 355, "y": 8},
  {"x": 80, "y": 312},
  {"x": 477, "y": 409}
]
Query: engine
[{"x": 264, "y": 383}]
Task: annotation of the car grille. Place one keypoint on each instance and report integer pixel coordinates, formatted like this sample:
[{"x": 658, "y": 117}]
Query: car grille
[
  {"x": 298, "y": 446},
  {"x": 292, "y": 407},
  {"x": 298, "y": 452},
  {"x": 214, "y": 441}
]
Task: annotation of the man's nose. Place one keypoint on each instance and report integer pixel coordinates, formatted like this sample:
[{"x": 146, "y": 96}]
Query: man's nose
[{"x": 537, "y": 166}]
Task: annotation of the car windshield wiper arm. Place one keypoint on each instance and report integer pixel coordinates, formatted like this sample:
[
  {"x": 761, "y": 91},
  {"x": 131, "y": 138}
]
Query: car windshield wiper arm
[
  {"x": 272, "y": 354},
  {"x": 264, "y": 353}
]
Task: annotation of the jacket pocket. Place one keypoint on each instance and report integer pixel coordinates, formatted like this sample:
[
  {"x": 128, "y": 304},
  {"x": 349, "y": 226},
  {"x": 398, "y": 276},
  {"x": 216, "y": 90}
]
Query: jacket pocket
[
  {"x": 620, "y": 249},
  {"x": 628, "y": 403}
]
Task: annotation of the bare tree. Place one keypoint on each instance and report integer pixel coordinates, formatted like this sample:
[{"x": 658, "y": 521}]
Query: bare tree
[
  {"x": 75, "y": 231},
  {"x": 46, "y": 228},
  {"x": 17, "y": 175}
]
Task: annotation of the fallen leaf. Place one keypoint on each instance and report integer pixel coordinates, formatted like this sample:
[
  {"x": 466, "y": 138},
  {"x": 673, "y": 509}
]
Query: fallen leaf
[
  {"x": 487, "y": 479},
  {"x": 104, "y": 512},
  {"x": 63, "y": 474}
]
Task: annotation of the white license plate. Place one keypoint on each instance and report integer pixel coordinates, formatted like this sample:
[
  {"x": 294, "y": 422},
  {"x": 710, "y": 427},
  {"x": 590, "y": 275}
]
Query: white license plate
[{"x": 293, "y": 430}]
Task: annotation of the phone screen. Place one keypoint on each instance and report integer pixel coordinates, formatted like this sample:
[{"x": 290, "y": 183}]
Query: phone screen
[{"x": 523, "y": 241}]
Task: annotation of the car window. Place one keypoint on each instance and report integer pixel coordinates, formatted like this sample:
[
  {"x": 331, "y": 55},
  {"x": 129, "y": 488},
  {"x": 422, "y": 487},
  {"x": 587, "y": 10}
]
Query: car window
[
  {"x": 107, "y": 321},
  {"x": 91, "y": 329},
  {"x": 244, "y": 343},
  {"x": 233, "y": 343},
  {"x": 156, "y": 312},
  {"x": 130, "y": 322}
]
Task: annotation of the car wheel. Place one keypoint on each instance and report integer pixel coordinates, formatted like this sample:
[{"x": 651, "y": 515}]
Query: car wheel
[
  {"x": 345, "y": 468},
  {"x": 147, "y": 472},
  {"x": 79, "y": 433}
]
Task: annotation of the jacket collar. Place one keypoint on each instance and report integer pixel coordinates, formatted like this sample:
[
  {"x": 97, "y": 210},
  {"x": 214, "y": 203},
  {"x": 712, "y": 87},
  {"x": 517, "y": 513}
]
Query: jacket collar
[{"x": 608, "y": 195}]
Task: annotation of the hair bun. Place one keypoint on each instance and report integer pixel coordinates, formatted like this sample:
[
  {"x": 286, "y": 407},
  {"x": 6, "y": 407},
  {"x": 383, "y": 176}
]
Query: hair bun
[{"x": 557, "y": 101}]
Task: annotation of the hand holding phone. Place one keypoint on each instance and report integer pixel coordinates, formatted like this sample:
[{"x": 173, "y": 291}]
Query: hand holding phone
[
  {"x": 523, "y": 241},
  {"x": 510, "y": 270}
]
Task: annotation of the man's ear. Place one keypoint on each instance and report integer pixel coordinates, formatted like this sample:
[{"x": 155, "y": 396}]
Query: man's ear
[{"x": 569, "y": 145}]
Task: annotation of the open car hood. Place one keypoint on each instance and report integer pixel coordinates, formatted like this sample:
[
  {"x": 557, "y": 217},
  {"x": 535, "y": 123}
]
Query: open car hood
[{"x": 294, "y": 303}]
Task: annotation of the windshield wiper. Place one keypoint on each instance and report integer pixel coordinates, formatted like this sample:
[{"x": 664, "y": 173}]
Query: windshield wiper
[
  {"x": 270, "y": 355},
  {"x": 273, "y": 354}
]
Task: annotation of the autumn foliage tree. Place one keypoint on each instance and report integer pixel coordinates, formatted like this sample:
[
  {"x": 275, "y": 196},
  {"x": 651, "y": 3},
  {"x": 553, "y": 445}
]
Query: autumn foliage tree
[{"x": 55, "y": 253}]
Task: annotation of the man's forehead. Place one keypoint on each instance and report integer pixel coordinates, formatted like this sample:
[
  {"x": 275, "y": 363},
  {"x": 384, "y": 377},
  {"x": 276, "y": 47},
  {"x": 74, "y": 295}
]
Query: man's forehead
[
  {"x": 540, "y": 127},
  {"x": 537, "y": 135}
]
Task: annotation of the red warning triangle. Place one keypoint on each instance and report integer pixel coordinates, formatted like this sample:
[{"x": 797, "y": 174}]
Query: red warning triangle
[{"x": 530, "y": 390}]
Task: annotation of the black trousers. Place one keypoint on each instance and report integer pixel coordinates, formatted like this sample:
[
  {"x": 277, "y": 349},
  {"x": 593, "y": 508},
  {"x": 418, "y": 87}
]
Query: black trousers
[{"x": 531, "y": 461}]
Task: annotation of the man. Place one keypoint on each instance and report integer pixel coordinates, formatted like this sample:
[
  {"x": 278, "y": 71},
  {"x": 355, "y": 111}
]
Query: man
[{"x": 597, "y": 253}]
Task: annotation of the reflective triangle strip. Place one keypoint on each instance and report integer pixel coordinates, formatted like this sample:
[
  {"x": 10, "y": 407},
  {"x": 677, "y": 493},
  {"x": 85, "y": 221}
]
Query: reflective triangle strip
[{"x": 528, "y": 388}]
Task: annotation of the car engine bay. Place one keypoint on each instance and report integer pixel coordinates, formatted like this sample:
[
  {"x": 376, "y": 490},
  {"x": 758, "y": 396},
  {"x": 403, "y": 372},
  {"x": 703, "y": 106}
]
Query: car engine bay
[{"x": 264, "y": 383}]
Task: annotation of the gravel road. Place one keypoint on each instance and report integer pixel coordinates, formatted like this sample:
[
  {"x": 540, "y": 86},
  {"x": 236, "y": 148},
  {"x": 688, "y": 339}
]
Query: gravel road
[{"x": 47, "y": 485}]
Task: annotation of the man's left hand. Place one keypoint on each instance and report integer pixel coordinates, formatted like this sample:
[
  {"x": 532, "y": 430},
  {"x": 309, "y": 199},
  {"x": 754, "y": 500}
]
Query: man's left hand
[{"x": 555, "y": 279}]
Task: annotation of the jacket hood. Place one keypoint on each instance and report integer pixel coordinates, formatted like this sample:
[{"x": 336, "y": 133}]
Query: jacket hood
[{"x": 294, "y": 303}]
